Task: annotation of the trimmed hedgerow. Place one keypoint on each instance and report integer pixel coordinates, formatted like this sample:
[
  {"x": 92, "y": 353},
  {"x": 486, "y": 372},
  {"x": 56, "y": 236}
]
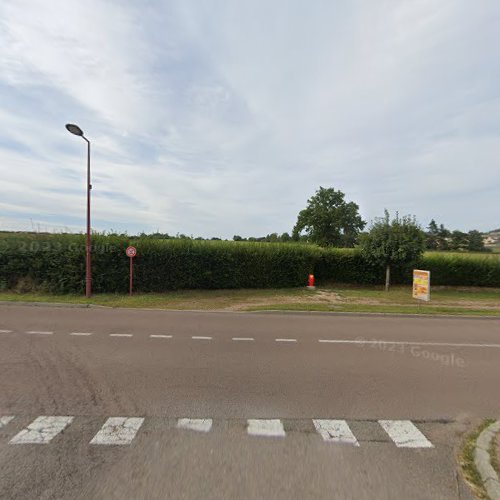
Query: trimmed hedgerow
[{"x": 56, "y": 263}]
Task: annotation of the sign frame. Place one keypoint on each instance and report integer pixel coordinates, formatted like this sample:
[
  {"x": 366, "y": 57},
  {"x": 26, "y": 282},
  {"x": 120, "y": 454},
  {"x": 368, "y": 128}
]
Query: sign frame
[
  {"x": 421, "y": 289},
  {"x": 131, "y": 252}
]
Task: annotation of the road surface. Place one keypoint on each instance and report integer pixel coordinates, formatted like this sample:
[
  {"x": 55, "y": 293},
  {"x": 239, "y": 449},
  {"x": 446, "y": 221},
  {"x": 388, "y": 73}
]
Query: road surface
[{"x": 119, "y": 403}]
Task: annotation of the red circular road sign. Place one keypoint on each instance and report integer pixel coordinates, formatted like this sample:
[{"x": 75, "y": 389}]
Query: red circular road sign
[{"x": 131, "y": 251}]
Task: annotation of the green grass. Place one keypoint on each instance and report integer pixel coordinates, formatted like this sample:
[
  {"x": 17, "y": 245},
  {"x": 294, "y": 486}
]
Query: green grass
[
  {"x": 468, "y": 301},
  {"x": 182, "y": 299},
  {"x": 466, "y": 461},
  {"x": 472, "y": 255},
  {"x": 403, "y": 294},
  {"x": 364, "y": 308}
]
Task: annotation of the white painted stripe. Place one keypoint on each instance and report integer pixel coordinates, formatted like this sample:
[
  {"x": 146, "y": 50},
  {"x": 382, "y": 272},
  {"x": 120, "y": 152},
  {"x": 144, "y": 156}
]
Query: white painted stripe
[
  {"x": 5, "y": 331},
  {"x": 335, "y": 431},
  {"x": 259, "y": 427},
  {"x": 42, "y": 430},
  {"x": 285, "y": 340},
  {"x": 153, "y": 336},
  {"x": 5, "y": 420},
  {"x": 118, "y": 430},
  {"x": 405, "y": 434},
  {"x": 243, "y": 338},
  {"x": 388, "y": 342},
  {"x": 195, "y": 424},
  {"x": 33, "y": 332},
  {"x": 81, "y": 334},
  {"x": 201, "y": 338},
  {"x": 120, "y": 335}
]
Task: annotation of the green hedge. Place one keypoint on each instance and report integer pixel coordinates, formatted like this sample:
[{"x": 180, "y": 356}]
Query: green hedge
[
  {"x": 345, "y": 265},
  {"x": 56, "y": 263}
]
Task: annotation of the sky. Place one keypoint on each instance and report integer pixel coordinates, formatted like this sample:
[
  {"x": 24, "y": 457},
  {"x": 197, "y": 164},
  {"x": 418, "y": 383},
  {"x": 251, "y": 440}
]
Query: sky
[{"x": 216, "y": 118}]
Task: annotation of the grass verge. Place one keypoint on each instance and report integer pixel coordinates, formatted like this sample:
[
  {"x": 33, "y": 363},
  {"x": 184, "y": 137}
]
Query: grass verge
[
  {"x": 466, "y": 461},
  {"x": 338, "y": 298},
  {"x": 383, "y": 309}
]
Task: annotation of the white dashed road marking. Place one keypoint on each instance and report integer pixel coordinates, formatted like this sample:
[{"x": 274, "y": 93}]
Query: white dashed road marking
[
  {"x": 5, "y": 420},
  {"x": 5, "y": 331},
  {"x": 81, "y": 334},
  {"x": 285, "y": 340},
  {"x": 272, "y": 427},
  {"x": 336, "y": 431},
  {"x": 42, "y": 430},
  {"x": 243, "y": 338},
  {"x": 118, "y": 430},
  {"x": 195, "y": 424},
  {"x": 33, "y": 332},
  {"x": 405, "y": 434},
  {"x": 154, "y": 336},
  {"x": 201, "y": 338},
  {"x": 120, "y": 335},
  {"x": 391, "y": 342}
]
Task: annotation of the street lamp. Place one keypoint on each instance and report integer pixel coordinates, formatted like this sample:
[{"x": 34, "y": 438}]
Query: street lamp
[{"x": 76, "y": 130}]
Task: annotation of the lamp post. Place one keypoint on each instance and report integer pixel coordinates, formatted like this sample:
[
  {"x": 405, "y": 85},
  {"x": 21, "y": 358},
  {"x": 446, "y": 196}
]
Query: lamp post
[{"x": 76, "y": 130}]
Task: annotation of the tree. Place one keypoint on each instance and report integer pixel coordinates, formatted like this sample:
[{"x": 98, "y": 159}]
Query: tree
[
  {"x": 329, "y": 220},
  {"x": 459, "y": 240},
  {"x": 400, "y": 241},
  {"x": 443, "y": 238},
  {"x": 432, "y": 236},
  {"x": 475, "y": 243}
]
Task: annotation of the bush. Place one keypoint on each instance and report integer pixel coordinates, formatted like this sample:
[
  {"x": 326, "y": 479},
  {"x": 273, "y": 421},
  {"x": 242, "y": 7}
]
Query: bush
[{"x": 56, "y": 263}]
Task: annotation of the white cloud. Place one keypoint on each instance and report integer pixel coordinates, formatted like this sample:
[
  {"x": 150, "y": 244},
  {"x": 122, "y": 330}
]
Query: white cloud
[{"x": 217, "y": 118}]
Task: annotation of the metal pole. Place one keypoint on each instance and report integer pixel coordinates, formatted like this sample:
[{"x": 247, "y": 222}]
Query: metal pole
[
  {"x": 88, "y": 244},
  {"x": 131, "y": 275}
]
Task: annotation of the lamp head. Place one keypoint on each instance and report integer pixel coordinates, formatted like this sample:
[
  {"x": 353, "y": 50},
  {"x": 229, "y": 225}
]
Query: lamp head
[{"x": 74, "y": 129}]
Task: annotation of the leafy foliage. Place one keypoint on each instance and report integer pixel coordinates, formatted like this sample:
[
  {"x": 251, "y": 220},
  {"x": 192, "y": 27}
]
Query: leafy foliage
[
  {"x": 56, "y": 263},
  {"x": 440, "y": 238},
  {"x": 396, "y": 242},
  {"x": 328, "y": 220}
]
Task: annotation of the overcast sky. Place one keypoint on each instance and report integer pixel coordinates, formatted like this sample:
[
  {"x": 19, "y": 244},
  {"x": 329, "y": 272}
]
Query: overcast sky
[{"x": 216, "y": 118}]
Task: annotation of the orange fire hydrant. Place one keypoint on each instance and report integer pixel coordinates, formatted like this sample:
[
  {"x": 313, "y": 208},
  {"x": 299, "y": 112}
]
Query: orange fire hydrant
[{"x": 310, "y": 282}]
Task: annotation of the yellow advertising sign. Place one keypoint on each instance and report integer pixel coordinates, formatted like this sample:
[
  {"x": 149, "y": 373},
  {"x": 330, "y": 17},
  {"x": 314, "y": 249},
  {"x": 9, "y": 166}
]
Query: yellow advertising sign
[{"x": 421, "y": 284}]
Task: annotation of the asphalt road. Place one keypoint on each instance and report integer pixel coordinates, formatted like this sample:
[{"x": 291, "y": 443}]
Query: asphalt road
[{"x": 231, "y": 405}]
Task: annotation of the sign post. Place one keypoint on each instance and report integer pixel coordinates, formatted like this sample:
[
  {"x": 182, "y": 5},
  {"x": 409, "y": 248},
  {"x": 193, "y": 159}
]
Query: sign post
[
  {"x": 131, "y": 253},
  {"x": 421, "y": 285}
]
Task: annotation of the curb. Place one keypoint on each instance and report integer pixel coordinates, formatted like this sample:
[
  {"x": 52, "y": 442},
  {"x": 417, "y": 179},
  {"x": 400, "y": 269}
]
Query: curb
[
  {"x": 49, "y": 304},
  {"x": 483, "y": 463}
]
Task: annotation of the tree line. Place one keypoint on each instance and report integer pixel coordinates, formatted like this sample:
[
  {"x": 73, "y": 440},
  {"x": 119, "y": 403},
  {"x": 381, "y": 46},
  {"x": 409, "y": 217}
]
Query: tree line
[{"x": 330, "y": 220}]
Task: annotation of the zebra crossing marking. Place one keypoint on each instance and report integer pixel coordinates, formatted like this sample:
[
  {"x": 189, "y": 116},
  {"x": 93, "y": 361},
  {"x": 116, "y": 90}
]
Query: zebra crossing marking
[
  {"x": 336, "y": 431},
  {"x": 42, "y": 430},
  {"x": 195, "y": 424},
  {"x": 405, "y": 434},
  {"x": 123, "y": 430},
  {"x": 118, "y": 430},
  {"x": 260, "y": 427},
  {"x": 5, "y": 420}
]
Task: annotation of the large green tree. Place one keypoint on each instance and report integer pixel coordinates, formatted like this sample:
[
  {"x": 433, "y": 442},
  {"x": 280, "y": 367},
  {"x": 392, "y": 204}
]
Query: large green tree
[
  {"x": 390, "y": 242},
  {"x": 329, "y": 220},
  {"x": 475, "y": 241}
]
